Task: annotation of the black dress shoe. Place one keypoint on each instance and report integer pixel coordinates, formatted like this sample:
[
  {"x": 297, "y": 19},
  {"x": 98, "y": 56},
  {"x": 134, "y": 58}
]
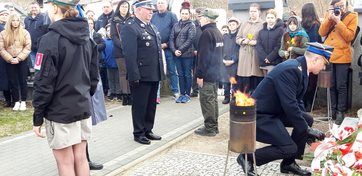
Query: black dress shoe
[
  {"x": 152, "y": 136},
  {"x": 95, "y": 166},
  {"x": 241, "y": 162},
  {"x": 294, "y": 169},
  {"x": 142, "y": 140}
]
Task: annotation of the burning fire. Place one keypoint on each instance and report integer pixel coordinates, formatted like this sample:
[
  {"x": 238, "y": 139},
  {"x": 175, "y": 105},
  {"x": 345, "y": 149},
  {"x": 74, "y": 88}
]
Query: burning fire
[
  {"x": 232, "y": 80},
  {"x": 242, "y": 99}
]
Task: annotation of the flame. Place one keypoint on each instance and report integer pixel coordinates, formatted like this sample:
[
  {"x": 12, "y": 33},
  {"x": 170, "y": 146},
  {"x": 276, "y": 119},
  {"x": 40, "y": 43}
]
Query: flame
[
  {"x": 242, "y": 99},
  {"x": 232, "y": 80}
]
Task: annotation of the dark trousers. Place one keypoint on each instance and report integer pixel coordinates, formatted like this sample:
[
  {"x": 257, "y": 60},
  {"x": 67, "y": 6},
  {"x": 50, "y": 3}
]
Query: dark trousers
[
  {"x": 309, "y": 94},
  {"x": 286, "y": 152},
  {"x": 227, "y": 88},
  {"x": 17, "y": 74},
  {"x": 143, "y": 107},
  {"x": 195, "y": 87},
  {"x": 7, "y": 95},
  {"x": 104, "y": 79},
  {"x": 209, "y": 105},
  {"x": 339, "y": 89}
]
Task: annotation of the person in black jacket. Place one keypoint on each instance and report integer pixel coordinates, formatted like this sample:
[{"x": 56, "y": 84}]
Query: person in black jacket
[
  {"x": 106, "y": 16},
  {"x": 311, "y": 23},
  {"x": 208, "y": 71},
  {"x": 181, "y": 40},
  {"x": 97, "y": 38},
  {"x": 4, "y": 84},
  {"x": 142, "y": 51},
  {"x": 268, "y": 44},
  {"x": 37, "y": 25},
  {"x": 121, "y": 16},
  {"x": 195, "y": 87},
  {"x": 66, "y": 76},
  {"x": 231, "y": 57}
]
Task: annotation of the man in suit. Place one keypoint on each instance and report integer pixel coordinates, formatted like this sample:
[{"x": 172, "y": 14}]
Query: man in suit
[
  {"x": 279, "y": 104},
  {"x": 142, "y": 51}
]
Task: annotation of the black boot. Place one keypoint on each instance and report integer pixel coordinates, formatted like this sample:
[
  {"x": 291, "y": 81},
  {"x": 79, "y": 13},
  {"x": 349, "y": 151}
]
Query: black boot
[
  {"x": 294, "y": 169},
  {"x": 7, "y": 95},
  {"x": 339, "y": 117},
  {"x": 250, "y": 169},
  {"x": 129, "y": 99},
  {"x": 119, "y": 97},
  {"x": 226, "y": 100},
  {"x": 334, "y": 115},
  {"x": 124, "y": 100}
]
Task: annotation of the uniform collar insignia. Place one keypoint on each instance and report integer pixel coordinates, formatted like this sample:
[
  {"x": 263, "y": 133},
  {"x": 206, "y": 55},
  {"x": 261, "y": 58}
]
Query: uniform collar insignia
[{"x": 300, "y": 67}]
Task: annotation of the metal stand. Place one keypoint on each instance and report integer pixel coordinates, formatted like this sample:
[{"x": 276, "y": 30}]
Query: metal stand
[
  {"x": 246, "y": 163},
  {"x": 329, "y": 107}
]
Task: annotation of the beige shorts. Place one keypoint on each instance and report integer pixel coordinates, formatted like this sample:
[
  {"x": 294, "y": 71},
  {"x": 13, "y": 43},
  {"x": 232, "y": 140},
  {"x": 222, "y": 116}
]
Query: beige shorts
[{"x": 61, "y": 135}]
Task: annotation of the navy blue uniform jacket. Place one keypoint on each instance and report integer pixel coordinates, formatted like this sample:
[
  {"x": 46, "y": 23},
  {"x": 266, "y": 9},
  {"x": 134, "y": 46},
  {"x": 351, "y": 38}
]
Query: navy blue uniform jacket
[
  {"x": 279, "y": 99},
  {"x": 142, "y": 52}
]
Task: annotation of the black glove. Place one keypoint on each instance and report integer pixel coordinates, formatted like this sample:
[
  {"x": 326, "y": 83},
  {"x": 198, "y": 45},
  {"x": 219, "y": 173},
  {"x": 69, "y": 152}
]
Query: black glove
[
  {"x": 314, "y": 133},
  {"x": 134, "y": 83}
]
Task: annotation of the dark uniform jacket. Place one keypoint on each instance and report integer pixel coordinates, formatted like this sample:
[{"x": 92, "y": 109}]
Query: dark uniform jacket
[
  {"x": 279, "y": 98},
  {"x": 142, "y": 51},
  {"x": 67, "y": 73},
  {"x": 209, "y": 53},
  {"x": 268, "y": 44}
]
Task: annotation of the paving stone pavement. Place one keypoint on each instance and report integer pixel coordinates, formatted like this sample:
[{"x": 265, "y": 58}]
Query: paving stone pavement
[
  {"x": 111, "y": 144},
  {"x": 187, "y": 163}
]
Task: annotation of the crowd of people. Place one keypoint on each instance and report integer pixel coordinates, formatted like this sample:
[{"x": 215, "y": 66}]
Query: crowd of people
[{"x": 126, "y": 49}]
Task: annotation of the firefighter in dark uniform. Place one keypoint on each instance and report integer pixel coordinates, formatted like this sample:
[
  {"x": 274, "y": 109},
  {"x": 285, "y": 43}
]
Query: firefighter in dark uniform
[
  {"x": 279, "y": 104},
  {"x": 142, "y": 51}
]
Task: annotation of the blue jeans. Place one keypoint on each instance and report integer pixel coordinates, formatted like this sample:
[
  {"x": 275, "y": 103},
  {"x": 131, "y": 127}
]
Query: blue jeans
[
  {"x": 184, "y": 67},
  {"x": 171, "y": 71}
]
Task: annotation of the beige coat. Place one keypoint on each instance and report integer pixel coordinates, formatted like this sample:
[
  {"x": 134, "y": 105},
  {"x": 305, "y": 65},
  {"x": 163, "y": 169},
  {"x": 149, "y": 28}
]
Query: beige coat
[
  {"x": 19, "y": 50},
  {"x": 248, "y": 60}
]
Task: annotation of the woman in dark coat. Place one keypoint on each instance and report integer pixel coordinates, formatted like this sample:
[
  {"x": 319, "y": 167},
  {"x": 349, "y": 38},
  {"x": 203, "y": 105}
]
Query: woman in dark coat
[
  {"x": 311, "y": 23},
  {"x": 268, "y": 43},
  {"x": 121, "y": 16},
  {"x": 230, "y": 58},
  {"x": 181, "y": 39},
  {"x": 4, "y": 85}
]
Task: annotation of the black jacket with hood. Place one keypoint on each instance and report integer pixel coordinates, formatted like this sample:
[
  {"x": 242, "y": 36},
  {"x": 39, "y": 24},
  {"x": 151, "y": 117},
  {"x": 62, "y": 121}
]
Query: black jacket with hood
[
  {"x": 268, "y": 44},
  {"x": 66, "y": 73}
]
